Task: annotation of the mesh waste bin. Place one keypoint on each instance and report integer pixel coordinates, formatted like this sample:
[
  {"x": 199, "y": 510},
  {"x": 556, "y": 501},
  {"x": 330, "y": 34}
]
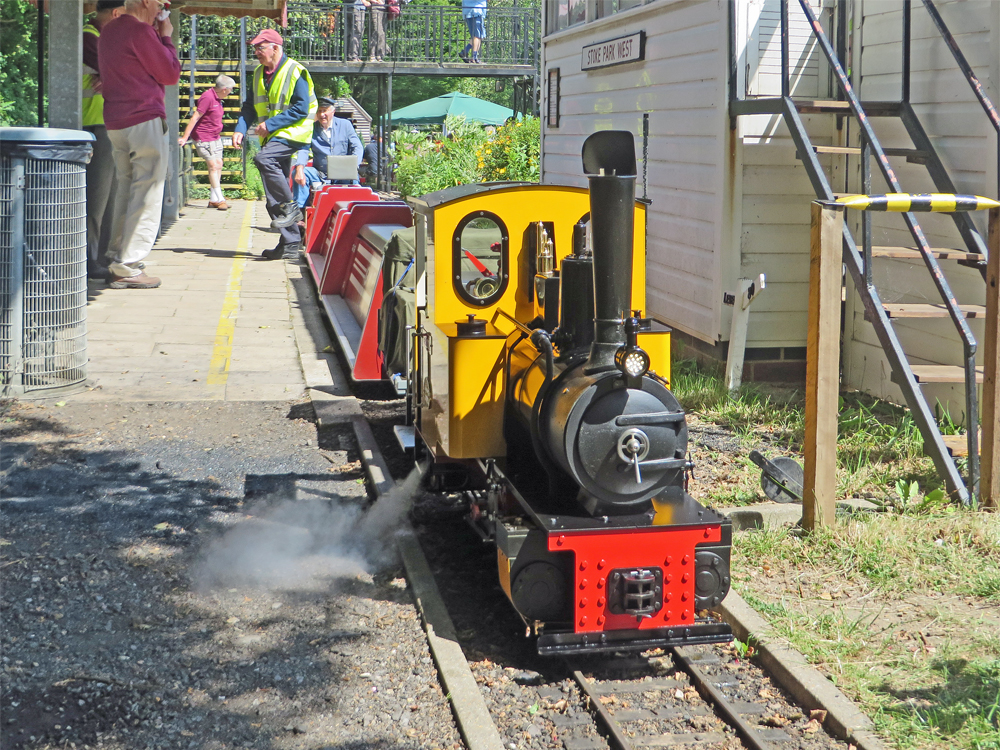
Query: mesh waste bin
[{"x": 43, "y": 259}]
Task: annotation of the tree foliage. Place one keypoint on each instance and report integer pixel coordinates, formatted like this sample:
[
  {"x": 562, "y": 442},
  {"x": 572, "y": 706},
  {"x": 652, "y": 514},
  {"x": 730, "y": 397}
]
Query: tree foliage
[
  {"x": 511, "y": 153},
  {"x": 18, "y": 63},
  {"x": 427, "y": 163},
  {"x": 469, "y": 154}
]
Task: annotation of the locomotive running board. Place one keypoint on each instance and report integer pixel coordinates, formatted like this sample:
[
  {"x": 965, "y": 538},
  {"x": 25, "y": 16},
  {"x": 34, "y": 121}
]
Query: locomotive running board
[
  {"x": 556, "y": 644},
  {"x": 406, "y": 436}
]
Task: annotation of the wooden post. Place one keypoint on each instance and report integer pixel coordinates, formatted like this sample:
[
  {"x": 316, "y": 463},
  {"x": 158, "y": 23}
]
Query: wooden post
[
  {"x": 823, "y": 364},
  {"x": 989, "y": 470}
]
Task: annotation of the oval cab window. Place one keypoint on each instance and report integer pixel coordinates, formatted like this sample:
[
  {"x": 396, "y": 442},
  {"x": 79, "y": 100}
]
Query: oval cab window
[{"x": 480, "y": 258}]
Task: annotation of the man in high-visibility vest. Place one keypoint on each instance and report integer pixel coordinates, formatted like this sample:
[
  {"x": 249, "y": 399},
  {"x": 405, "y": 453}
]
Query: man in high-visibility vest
[
  {"x": 101, "y": 169},
  {"x": 282, "y": 101}
]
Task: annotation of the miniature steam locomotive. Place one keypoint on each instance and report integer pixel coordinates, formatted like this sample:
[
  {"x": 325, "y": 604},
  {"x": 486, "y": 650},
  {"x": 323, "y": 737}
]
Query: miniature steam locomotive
[{"x": 509, "y": 315}]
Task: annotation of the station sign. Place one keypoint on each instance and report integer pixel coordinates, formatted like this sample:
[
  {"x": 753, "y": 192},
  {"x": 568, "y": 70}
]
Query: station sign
[{"x": 624, "y": 49}]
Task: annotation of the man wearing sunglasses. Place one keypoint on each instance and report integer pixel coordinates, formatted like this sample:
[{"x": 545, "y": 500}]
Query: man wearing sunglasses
[
  {"x": 283, "y": 105},
  {"x": 137, "y": 60}
]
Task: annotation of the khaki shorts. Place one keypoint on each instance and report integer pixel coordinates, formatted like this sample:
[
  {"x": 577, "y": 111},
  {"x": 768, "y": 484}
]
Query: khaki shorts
[{"x": 209, "y": 149}]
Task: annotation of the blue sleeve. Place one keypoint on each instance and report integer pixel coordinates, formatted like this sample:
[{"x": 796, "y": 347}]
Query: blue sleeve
[
  {"x": 297, "y": 110},
  {"x": 248, "y": 116},
  {"x": 301, "y": 157}
]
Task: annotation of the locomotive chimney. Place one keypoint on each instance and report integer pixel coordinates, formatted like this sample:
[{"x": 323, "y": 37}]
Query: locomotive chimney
[{"x": 609, "y": 163}]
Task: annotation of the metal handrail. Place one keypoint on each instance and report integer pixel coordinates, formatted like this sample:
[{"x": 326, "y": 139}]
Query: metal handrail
[
  {"x": 420, "y": 34},
  {"x": 940, "y": 281},
  {"x": 970, "y": 76}
]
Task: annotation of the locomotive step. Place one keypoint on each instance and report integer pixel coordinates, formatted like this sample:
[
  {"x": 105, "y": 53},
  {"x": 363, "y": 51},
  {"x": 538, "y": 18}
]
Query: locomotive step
[
  {"x": 923, "y": 310},
  {"x": 405, "y": 435}
]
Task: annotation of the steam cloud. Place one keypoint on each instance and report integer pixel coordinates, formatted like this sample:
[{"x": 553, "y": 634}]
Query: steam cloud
[{"x": 301, "y": 545}]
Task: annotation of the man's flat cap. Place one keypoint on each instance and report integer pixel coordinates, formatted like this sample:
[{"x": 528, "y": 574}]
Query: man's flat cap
[
  {"x": 267, "y": 35},
  {"x": 324, "y": 101}
]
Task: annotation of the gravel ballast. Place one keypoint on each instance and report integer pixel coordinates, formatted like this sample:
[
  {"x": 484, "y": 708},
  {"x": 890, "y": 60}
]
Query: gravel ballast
[{"x": 204, "y": 576}]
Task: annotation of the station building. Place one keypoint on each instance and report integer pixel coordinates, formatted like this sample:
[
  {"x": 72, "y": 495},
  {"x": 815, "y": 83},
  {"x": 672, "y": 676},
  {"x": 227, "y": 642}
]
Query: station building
[{"x": 729, "y": 197}]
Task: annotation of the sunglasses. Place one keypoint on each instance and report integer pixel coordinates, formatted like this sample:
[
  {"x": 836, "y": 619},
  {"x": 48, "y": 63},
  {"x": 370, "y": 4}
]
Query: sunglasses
[{"x": 262, "y": 46}]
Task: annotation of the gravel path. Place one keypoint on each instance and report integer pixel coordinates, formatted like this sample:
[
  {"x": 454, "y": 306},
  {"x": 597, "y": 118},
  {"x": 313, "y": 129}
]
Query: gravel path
[{"x": 203, "y": 576}]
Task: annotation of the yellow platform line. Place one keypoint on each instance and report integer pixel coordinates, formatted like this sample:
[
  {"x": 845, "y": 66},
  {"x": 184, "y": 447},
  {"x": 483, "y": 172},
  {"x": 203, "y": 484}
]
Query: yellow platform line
[{"x": 218, "y": 368}]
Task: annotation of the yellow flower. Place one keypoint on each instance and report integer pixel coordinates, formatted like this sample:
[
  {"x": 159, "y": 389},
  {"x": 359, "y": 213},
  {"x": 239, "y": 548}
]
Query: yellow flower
[{"x": 502, "y": 170}]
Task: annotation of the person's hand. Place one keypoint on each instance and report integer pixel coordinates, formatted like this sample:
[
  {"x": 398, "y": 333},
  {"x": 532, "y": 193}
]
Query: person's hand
[
  {"x": 237, "y": 140},
  {"x": 300, "y": 176},
  {"x": 261, "y": 129},
  {"x": 164, "y": 28},
  {"x": 181, "y": 141},
  {"x": 96, "y": 84}
]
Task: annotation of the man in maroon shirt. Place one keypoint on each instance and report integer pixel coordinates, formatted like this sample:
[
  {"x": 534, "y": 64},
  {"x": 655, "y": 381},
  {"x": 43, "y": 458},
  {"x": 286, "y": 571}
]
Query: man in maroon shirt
[
  {"x": 205, "y": 127},
  {"x": 137, "y": 59}
]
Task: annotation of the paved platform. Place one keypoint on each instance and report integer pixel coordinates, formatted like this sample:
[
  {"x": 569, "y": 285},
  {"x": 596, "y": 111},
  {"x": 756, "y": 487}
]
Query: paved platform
[{"x": 219, "y": 328}]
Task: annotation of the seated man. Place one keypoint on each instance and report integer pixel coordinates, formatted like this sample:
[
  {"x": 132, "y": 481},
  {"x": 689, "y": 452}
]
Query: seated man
[{"x": 332, "y": 136}]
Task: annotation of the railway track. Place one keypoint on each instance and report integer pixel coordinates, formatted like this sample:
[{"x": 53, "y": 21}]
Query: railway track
[
  {"x": 705, "y": 697},
  {"x": 702, "y": 704},
  {"x": 709, "y": 697}
]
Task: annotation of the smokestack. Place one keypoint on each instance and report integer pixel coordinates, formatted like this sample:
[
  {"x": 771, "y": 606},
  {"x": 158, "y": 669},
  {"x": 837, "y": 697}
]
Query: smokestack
[{"x": 609, "y": 163}]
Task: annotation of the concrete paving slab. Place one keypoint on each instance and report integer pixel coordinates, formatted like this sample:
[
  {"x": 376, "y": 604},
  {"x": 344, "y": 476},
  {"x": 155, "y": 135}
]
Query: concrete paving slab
[
  {"x": 221, "y": 319},
  {"x": 119, "y": 348},
  {"x": 122, "y": 298},
  {"x": 174, "y": 337},
  {"x": 264, "y": 392},
  {"x": 153, "y": 364},
  {"x": 114, "y": 379},
  {"x": 763, "y": 515},
  {"x": 250, "y": 377},
  {"x": 185, "y": 350},
  {"x": 264, "y": 355},
  {"x": 121, "y": 331}
]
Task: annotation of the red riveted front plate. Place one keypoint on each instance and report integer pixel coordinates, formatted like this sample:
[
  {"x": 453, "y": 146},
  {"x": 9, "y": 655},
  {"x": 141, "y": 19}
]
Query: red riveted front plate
[{"x": 598, "y": 553}]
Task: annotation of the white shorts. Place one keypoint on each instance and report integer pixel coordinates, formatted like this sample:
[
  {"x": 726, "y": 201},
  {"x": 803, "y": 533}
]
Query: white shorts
[{"x": 209, "y": 149}]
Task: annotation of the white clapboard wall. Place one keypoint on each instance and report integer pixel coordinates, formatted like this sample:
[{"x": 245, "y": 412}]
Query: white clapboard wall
[
  {"x": 681, "y": 85},
  {"x": 772, "y": 189},
  {"x": 762, "y": 73}
]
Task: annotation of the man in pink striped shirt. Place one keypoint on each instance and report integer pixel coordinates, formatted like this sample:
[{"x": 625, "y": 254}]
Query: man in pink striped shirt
[{"x": 137, "y": 60}]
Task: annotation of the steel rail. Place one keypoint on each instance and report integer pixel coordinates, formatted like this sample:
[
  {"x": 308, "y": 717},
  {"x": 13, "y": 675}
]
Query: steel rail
[
  {"x": 715, "y": 696},
  {"x": 615, "y": 736}
]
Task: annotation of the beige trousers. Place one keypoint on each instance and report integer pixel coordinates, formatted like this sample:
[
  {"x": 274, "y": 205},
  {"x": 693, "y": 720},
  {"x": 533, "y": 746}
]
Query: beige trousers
[{"x": 141, "y": 155}]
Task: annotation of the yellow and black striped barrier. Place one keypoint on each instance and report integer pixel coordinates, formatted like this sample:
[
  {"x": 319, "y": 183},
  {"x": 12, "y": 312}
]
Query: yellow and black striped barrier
[{"x": 903, "y": 202}]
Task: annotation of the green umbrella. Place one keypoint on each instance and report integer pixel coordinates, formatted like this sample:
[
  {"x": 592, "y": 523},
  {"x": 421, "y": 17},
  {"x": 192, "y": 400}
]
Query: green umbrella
[{"x": 453, "y": 104}]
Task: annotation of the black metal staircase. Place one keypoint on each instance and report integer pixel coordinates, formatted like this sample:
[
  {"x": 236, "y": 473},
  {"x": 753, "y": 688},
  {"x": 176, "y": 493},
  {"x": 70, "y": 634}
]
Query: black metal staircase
[{"x": 860, "y": 254}]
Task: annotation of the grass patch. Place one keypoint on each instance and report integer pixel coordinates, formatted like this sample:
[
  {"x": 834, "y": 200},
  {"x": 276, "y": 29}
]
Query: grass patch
[
  {"x": 879, "y": 445},
  {"x": 902, "y": 611}
]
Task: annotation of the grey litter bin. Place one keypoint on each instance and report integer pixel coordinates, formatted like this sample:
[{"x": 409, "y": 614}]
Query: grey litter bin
[{"x": 43, "y": 260}]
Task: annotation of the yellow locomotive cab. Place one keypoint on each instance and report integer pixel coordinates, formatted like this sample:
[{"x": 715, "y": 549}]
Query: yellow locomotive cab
[{"x": 483, "y": 240}]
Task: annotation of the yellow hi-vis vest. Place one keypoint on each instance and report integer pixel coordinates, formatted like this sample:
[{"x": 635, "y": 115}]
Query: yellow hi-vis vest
[
  {"x": 92, "y": 103},
  {"x": 278, "y": 98}
]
